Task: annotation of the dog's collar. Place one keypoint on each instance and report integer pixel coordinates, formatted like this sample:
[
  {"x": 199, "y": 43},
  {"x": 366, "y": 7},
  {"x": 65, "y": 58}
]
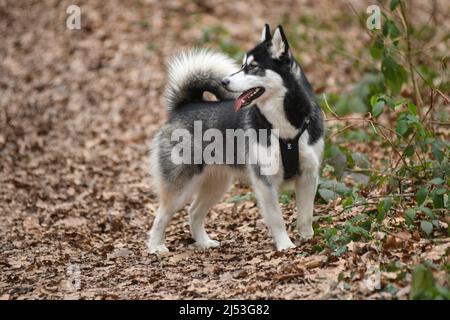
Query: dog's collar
[{"x": 289, "y": 152}]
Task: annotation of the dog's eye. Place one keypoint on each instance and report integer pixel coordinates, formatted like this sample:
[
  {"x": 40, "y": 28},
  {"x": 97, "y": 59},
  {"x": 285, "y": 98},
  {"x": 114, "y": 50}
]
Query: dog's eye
[{"x": 252, "y": 66}]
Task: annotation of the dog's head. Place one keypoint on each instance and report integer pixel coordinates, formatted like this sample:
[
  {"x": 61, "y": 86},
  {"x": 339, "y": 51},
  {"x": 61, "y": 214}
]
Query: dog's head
[{"x": 264, "y": 70}]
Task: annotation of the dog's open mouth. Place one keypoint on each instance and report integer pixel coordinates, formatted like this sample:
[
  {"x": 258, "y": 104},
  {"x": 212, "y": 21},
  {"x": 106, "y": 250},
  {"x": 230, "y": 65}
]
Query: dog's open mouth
[{"x": 247, "y": 97}]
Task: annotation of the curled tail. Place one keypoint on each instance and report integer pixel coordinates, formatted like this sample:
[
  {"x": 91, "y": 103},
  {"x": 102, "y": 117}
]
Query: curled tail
[{"x": 193, "y": 72}]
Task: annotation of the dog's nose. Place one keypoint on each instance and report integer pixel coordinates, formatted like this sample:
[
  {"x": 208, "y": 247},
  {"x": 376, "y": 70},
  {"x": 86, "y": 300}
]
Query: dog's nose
[{"x": 225, "y": 81}]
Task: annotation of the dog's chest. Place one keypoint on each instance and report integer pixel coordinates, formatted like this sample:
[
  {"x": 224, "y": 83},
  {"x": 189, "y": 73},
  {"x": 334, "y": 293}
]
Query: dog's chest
[
  {"x": 284, "y": 153},
  {"x": 281, "y": 159}
]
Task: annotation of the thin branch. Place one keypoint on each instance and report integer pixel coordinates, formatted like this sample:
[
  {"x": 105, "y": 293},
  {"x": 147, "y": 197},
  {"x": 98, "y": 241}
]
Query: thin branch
[
  {"x": 417, "y": 94},
  {"x": 398, "y": 236}
]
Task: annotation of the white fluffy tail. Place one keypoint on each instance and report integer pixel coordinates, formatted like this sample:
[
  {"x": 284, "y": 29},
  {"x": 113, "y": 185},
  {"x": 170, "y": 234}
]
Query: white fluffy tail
[{"x": 195, "y": 71}]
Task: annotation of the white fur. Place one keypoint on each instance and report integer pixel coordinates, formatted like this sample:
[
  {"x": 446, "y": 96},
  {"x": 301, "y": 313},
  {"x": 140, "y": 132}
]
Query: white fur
[
  {"x": 194, "y": 62},
  {"x": 270, "y": 102},
  {"x": 267, "y": 196},
  {"x": 278, "y": 45},
  {"x": 272, "y": 105},
  {"x": 204, "y": 190},
  {"x": 306, "y": 184},
  {"x": 210, "y": 191},
  {"x": 269, "y": 159},
  {"x": 155, "y": 171}
]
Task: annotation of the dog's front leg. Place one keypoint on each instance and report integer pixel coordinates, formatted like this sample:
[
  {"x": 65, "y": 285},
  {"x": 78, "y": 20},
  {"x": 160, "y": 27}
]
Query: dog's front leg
[
  {"x": 267, "y": 197},
  {"x": 305, "y": 189}
]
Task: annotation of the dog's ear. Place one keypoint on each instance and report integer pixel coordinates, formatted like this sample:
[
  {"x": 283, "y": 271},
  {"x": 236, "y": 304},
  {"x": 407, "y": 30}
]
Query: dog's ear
[
  {"x": 280, "y": 46},
  {"x": 265, "y": 34}
]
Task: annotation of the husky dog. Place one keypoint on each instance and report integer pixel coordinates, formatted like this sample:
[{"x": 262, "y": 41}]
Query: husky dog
[{"x": 270, "y": 91}]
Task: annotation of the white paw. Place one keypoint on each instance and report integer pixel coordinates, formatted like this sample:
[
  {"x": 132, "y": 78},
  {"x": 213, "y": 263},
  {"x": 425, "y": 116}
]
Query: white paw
[
  {"x": 159, "y": 248},
  {"x": 306, "y": 233},
  {"x": 207, "y": 244},
  {"x": 285, "y": 245}
]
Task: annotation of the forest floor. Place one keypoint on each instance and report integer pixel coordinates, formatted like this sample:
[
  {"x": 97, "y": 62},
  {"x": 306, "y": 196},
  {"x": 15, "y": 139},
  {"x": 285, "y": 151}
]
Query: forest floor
[{"x": 77, "y": 111}]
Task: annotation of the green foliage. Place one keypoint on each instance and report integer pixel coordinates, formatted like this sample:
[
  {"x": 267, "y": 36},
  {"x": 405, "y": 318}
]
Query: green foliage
[
  {"x": 355, "y": 229},
  {"x": 249, "y": 196},
  {"x": 219, "y": 34},
  {"x": 287, "y": 196},
  {"x": 358, "y": 100},
  {"x": 413, "y": 176},
  {"x": 426, "y": 227},
  {"x": 383, "y": 208},
  {"x": 394, "y": 74},
  {"x": 394, "y": 4},
  {"x": 331, "y": 189},
  {"x": 424, "y": 285}
]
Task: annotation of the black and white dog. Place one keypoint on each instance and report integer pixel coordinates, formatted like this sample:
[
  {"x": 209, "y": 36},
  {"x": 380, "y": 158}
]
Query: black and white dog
[{"x": 270, "y": 95}]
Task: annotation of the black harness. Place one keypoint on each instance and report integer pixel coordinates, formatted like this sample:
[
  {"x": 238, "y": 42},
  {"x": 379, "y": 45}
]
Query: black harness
[
  {"x": 288, "y": 147},
  {"x": 290, "y": 154}
]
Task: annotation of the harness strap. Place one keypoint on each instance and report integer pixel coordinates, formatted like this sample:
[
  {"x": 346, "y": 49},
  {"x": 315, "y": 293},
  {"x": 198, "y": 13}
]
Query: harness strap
[{"x": 290, "y": 154}]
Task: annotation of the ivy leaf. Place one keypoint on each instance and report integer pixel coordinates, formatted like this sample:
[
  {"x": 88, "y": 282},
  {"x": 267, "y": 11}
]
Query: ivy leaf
[
  {"x": 390, "y": 29},
  {"x": 421, "y": 195},
  {"x": 383, "y": 207},
  {"x": 412, "y": 108},
  {"x": 382, "y": 97},
  {"x": 410, "y": 215},
  {"x": 394, "y": 4},
  {"x": 402, "y": 127},
  {"x": 437, "y": 181},
  {"x": 428, "y": 212},
  {"x": 438, "y": 199},
  {"x": 377, "y": 48},
  {"x": 360, "y": 160},
  {"x": 378, "y": 108},
  {"x": 394, "y": 74},
  {"x": 422, "y": 281},
  {"x": 334, "y": 156},
  {"x": 426, "y": 227},
  {"x": 409, "y": 150},
  {"x": 436, "y": 149},
  {"x": 327, "y": 195}
]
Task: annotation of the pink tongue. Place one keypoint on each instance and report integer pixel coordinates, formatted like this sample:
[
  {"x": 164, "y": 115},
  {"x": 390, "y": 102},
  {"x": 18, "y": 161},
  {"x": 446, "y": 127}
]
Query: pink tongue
[
  {"x": 237, "y": 104},
  {"x": 241, "y": 100}
]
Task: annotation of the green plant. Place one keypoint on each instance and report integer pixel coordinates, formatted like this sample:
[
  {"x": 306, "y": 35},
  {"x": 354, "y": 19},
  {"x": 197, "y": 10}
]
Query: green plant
[
  {"x": 219, "y": 34},
  {"x": 415, "y": 178},
  {"x": 424, "y": 286}
]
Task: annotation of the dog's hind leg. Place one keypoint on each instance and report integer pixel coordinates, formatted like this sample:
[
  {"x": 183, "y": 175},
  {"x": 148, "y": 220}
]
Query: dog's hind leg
[
  {"x": 209, "y": 192},
  {"x": 170, "y": 203}
]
